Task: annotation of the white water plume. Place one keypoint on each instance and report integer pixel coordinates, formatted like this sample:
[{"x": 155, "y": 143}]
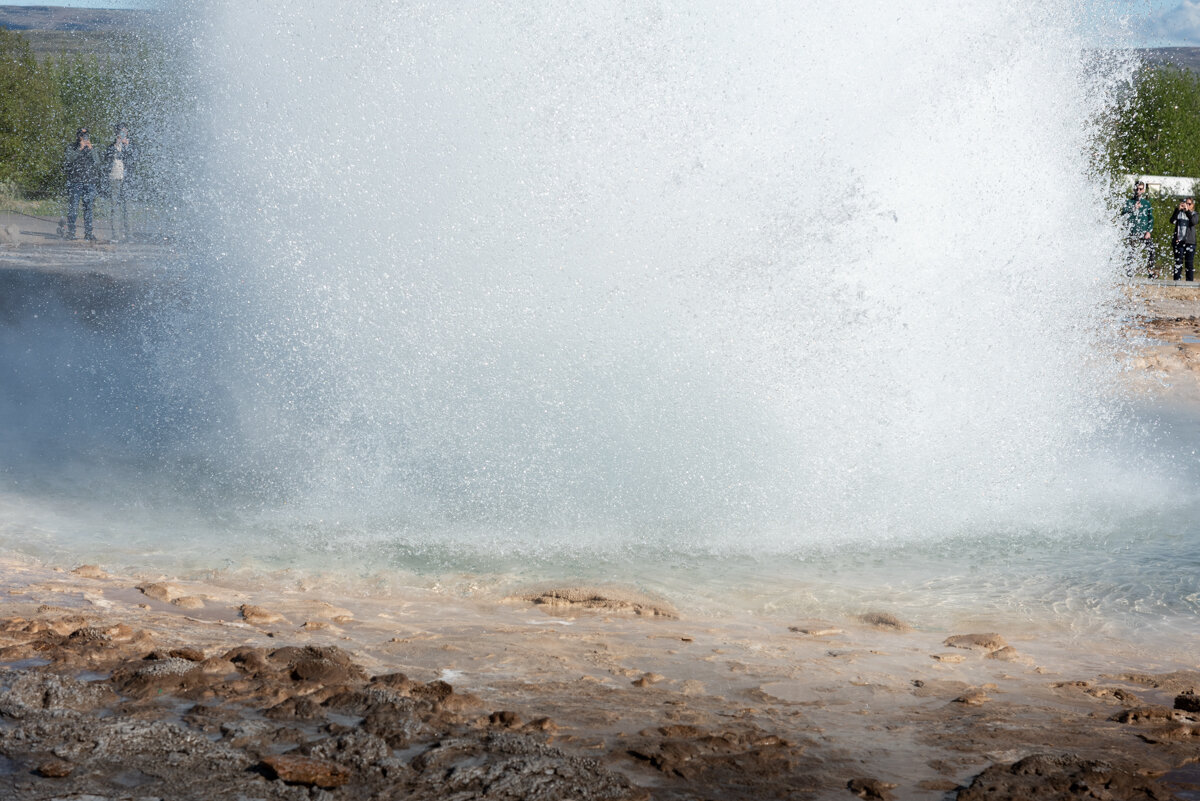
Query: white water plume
[{"x": 755, "y": 275}]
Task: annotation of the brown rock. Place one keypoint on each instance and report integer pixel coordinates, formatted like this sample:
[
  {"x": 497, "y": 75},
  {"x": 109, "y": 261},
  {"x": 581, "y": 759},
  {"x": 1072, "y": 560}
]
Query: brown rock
[
  {"x": 816, "y": 629},
  {"x": 157, "y": 591},
  {"x": 1049, "y": 777},
  {"x": 605, "y": 600},
  {"x": 646, "y": 679},
  {"x": 1144, "y": 714},
  {"x": 328, "y": 665},
  {"x": 1188, "y": 702},
  {"x": 295, "y": 708},
  {"x": 188, "y": 602},
  {"x": 973, "y": 698},
  {"x": 505, "y": 719},
  {"x": 307, "y": 771},
  {"x": 55, "y": 769},
  {"x": 871, "y": 789},
  {"x": 190, "y": 654},
  {"x": 67, "y": 625},
  {"x": 248, "y": 659},
  {"x": 711, "y": 757},
  {"x": 122, "y": 632},
  {"x": 436, "y": 690},
  {"x": 395, "y": 681},
  {"x": 257, "y": 616},
  {"x": 1005, "y": 654},
  {"x": 1119, "y": 694},
  {"x": 984, "y": 642},
  {"x": 90, "y": 571},
  {"x": 540, "y": 724},
  {"x": 88, "y": 634},
  {"x": 1172, "y": 731},
  {"x": 884, "y": 620}
]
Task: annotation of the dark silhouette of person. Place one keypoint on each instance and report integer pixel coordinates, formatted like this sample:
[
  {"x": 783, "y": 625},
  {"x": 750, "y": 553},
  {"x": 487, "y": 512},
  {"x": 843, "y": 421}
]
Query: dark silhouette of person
[
  {"x": 1141, "y": 228},
  {"x": 1184, "y": 220},
  {"x": 82, "y": 168},
  {"x": 119, "y": 158}
]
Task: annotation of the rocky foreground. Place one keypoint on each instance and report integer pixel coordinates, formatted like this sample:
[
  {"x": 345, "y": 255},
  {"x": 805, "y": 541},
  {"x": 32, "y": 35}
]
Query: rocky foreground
[
  {"x": 120, "y": 688},
  {"x": 1169, "y": 364}
]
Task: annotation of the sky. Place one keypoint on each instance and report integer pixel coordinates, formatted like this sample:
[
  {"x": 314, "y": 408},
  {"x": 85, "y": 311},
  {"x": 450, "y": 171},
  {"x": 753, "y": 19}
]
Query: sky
[
  {"x": 1174, "y": 23},
  {"x": 84, "y": 3},
  {"x": 1149, "y": 23}
]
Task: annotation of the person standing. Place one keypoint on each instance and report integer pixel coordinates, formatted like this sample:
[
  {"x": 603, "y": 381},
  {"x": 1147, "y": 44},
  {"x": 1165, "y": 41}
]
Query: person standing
[
  {"x": 1184, "y": 219},
  {"x": 1141, "y": 228},
  {"x": 83, "y": 178},
  {"x": 118, "y": 166}
]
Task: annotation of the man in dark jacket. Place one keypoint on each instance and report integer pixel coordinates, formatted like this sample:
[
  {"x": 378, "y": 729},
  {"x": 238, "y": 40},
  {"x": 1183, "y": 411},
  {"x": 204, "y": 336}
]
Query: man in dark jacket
[
  {"x": 1184, "y": 220},
  {"x": 1141, "y": 228},
  {"x": 82, "y": 167}
]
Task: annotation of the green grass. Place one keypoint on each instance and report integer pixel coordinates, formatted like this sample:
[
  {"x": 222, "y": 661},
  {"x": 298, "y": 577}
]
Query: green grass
[
  {"x": 37, "y": 208},
  {"x": 57, "y": 43},
  {"x": 12, "y": 201}
]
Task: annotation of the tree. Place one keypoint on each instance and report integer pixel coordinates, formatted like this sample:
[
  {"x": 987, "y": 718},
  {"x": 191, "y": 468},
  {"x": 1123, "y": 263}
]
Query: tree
[
  {"x": 31, "y": 118},
  {"x": 1158, "y": 133}
]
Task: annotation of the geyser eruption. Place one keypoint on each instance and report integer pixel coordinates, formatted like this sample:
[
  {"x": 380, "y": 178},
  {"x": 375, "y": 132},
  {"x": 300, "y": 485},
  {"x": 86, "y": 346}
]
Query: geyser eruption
[{"x": 735, "y": 278}]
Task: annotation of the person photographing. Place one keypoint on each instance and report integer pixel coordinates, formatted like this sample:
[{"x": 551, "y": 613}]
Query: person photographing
[
  {"x": 1184, "y": 220},
  {"x": 82, "y": 168},
  {"x": 118, "y": 169}
]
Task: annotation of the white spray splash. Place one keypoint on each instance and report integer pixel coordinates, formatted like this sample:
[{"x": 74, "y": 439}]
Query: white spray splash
[{"x": 747, "y": 276}]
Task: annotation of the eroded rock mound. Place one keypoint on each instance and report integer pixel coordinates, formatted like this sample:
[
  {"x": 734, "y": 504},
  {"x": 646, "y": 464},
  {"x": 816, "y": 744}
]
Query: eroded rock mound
[
  {"x": 746, "y": 758},
  {"x": 1051, "y": 777},
  {"x": 605, "y": 600},
  {"x": 885, "y": 621},
  {"x": 983, "y": 642}
]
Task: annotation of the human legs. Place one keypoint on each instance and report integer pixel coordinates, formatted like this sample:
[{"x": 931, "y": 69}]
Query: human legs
[
  {"x": 73, "y": 196},
  {"x": 1189, "y": 259},
  {"x": 87, "y": 199},
  {"x": 1140, "y": 250},
  {"x": 118, "y": 206}
]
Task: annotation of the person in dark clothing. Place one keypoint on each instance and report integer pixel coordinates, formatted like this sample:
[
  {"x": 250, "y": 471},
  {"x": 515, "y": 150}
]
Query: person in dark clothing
[
  {"x": 82, "y": 167},
  {"x": 1184, "y": 219},
  {"x": 119, "y": 158},
  {"x": 1141, "y": 229}
]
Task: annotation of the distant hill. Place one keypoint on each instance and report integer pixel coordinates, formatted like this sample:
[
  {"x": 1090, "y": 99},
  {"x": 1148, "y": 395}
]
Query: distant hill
[
  {"x": 60, "y": 18},
  {"x": 1187, "y": 58},
  {"x": 53, "y": 30}
]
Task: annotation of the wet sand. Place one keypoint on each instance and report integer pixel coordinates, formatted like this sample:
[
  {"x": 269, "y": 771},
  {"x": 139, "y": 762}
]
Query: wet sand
[{"x": 279, "y": 687}]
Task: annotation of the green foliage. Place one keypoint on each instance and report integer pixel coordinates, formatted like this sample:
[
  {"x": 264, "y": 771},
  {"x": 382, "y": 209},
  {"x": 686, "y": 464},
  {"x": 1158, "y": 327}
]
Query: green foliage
[
  {"x": 1159, "y": 131},
  {"x": 43, "y": 102},
  {"x": 31, "y": 118}
]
